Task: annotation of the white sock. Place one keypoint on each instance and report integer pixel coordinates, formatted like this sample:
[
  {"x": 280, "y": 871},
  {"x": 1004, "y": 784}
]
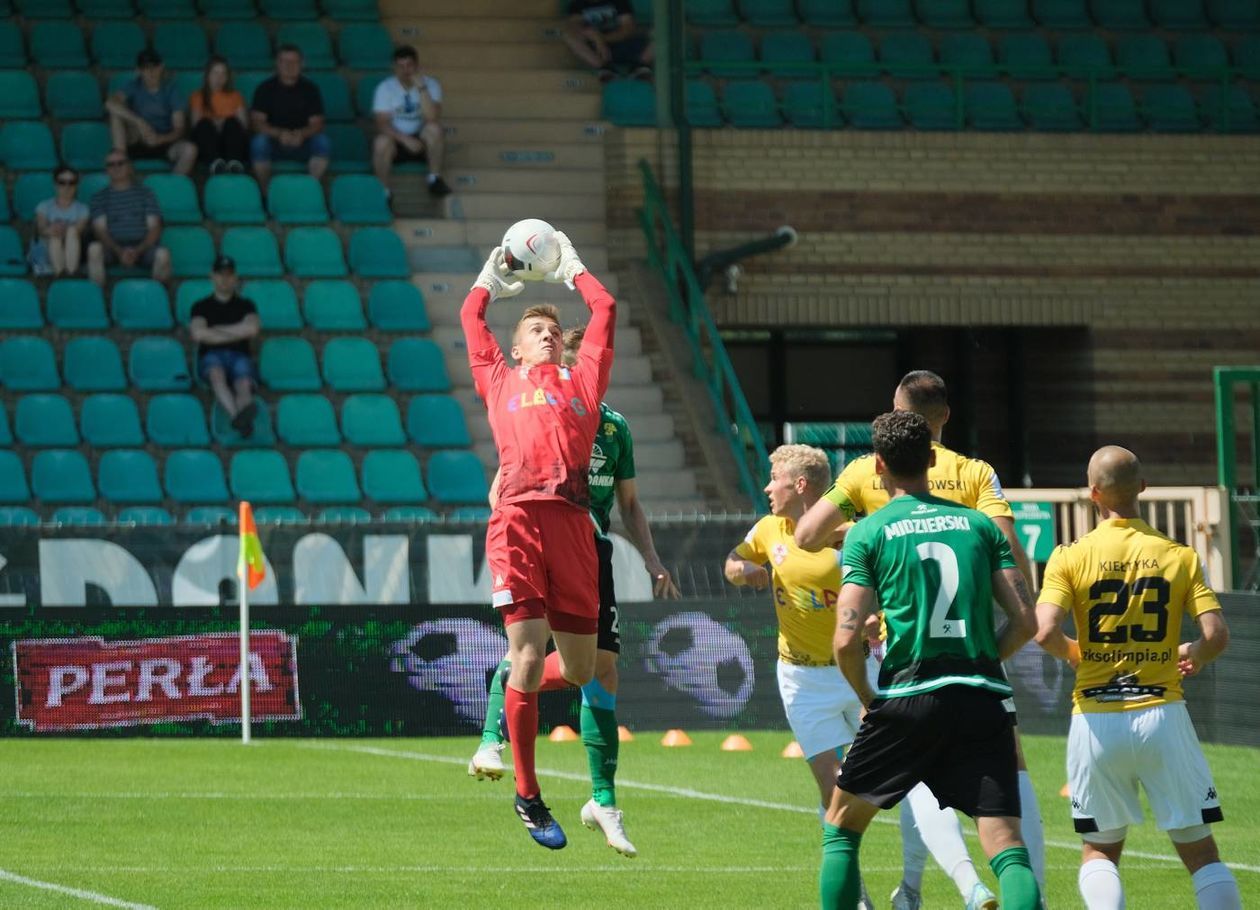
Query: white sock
[
  {"x": 943, "y": 836},
  {"x": 1215, "y": 888},
  {"x": 432, "y": 178},
  {"x": 914, "y": 852},
  {"x": 1030, "y": 825},
  {"x": 1099, "y": 881}
]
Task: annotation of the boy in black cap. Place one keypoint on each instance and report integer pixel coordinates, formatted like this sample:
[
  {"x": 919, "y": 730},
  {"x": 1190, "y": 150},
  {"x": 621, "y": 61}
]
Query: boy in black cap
[
  {"x": 146, "y": 116},
  {"x": 223, "y": 325}
]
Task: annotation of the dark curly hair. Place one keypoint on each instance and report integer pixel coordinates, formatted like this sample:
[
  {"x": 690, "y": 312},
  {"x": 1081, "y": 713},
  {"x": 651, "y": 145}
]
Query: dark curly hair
[{"x": 903, "y": 440}]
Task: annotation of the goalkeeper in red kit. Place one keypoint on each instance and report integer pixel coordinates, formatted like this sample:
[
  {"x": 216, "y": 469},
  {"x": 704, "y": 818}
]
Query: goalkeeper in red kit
[{"x": 539, "y": 546}]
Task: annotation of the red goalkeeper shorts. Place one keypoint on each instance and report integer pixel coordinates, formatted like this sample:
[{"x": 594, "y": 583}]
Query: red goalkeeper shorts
[{"x": 543, "y": 565}]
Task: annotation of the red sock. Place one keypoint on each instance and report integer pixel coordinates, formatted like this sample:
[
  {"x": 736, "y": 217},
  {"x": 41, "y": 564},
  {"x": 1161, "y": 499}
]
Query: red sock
[
  {"x": 521, "y": 709},
  {"x": 552, "y": 677}
]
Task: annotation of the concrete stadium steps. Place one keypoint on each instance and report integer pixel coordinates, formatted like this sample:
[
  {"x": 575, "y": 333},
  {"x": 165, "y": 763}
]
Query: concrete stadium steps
[
  {"x": 496, "y": 29},
  {"x": 531, "y": 105},
  {"x": 458, "y": 82},
  {"x": 448, "y": 290},
  {"x": 554, "y": 207},
  {"x": 530, "y": 156},
  {"x": 445, "y": 56},
  {"x": 483, "y": 234},
  {"x": 587, "y": 183},
  {"x": 521, "y": 131}
]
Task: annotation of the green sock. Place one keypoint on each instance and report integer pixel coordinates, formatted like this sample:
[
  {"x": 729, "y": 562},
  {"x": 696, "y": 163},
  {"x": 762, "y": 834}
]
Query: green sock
[
  {"x": 599, "y": 735},
  {"x": 490, "y": 735},
  {"x": 840, "y": 879},
  {"x": 1017, "y": 885}
]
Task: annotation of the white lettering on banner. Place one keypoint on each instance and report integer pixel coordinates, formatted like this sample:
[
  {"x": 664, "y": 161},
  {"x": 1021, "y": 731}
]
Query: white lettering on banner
[
  {"x": 323, "y": 575},
  {"x": 160, "y": 672},
  {"x": 197, "y": 673},
  {"x": 10, "y": 600},
  {"x": 62, "y": 681},
  {"x": 205, "y": 565},
  {"x": 104, "y": 675},
  {"x": 157, "y": 671},
  {"x": 259, "y": 681},
  {"x": 451, "y": 571},
  {"x": 67, "y": 567}
]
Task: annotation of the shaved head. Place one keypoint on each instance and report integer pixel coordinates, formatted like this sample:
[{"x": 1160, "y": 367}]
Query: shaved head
[
  {"x": 1116, "y": 475},
  {"x": 923, "y": 392}
]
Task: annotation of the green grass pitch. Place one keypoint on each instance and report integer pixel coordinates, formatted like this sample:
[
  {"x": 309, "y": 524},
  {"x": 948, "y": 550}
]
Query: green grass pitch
[{"x": 398, "y": 823}]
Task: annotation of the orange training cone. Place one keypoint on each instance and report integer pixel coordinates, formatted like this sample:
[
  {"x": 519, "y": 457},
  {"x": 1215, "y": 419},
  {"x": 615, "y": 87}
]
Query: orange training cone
[
  {"x": 563, "y": 734},
  {"x": 736, "y": 742},
  {"x": 676, "y": 738},
  {"x": 624, "y": 735},
  {"x": 792, "y": 750},
  {"x": 1066, "y": 792}
]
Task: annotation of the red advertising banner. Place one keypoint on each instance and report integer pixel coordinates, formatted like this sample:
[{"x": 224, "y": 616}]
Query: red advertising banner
[{"x": 67, "y": 684}]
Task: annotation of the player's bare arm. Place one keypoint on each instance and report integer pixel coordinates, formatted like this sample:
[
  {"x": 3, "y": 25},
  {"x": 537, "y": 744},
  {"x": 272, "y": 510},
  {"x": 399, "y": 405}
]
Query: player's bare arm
[
  {"x": 1011, "y": 592},
  {"x": 1213, "y": 638},
  {"x": 1006, "y": 525},
  {"x": 640, "y": 534},
  {"x": 819, "y": 525},
  {"x": 856, "y": 604},
  {"x": 1051, "y": 637},
  {"x": 740, "y": 572}
]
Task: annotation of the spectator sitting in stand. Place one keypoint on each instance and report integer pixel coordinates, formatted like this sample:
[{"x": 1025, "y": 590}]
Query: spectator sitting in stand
[
  {"x": 146, "y": 116},
  {"x": 288, "y": 119},
  {"x": 605, "y": 36},
  {"x": 407, "y": 106},
  {"x": 60, "y": 225},
  {"x": 220, "y": 120},
  {"x": 223, "y": 325},
  {"x": 127, "y": 224}
]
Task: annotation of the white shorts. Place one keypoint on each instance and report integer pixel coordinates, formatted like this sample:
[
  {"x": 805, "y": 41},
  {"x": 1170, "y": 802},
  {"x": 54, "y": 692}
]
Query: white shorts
[
  {"x": 822, "y": 709},
  {"x": 1109, "y": 754}
]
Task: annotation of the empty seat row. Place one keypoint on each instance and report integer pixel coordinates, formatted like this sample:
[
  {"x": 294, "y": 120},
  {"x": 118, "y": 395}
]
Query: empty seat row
[
  {"x": 109, "y": 420},
  {"x": 963, "y": 14},
  {"x": 320, "y": 476},
  {"x": 158, "y": 363},
  {"x": 156, "y": 516},
  {"x": 341, "y": 10}
]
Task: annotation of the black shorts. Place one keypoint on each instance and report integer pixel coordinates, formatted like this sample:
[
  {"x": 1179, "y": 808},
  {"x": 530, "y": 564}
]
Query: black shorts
[
  {"x": 404, "y": 155},
  {"x": 609, "y": 638},
  {"x": 958, "y": 740}
]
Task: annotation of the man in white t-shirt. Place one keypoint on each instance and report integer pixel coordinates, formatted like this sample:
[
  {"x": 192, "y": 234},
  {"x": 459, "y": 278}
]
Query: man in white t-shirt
[{"x": 407, "y": 107}]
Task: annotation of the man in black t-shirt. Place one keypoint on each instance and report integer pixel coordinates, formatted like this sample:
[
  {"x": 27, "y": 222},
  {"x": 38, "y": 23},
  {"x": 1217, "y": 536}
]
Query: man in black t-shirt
[
  {"x": 287, "y": 115},
  {"x": 223, "y": 325},
  {"x": 604, "y": 35}
]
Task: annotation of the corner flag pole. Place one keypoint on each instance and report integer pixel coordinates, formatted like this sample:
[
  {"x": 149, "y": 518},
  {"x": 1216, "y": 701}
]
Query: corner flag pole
[{"x": 247, "y": 531}]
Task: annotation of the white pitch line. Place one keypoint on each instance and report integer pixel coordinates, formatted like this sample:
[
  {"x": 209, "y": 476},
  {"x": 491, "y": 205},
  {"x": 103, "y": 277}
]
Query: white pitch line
[
  {"x": 713, "y": 797},
  {"x": 91, "y": 896}
]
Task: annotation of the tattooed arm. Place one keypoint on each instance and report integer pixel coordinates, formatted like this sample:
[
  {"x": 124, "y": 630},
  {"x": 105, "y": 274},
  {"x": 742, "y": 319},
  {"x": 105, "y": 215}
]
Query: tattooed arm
[
  {"x": 1011, "y": 591},
  {"x": 855, "y": 604}
]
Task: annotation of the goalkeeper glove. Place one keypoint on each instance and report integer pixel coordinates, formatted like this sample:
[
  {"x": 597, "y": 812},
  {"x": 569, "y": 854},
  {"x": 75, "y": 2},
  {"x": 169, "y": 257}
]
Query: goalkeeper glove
[
  {"x": 496, "y": 278},
  {"x": 570, "y": 265}
]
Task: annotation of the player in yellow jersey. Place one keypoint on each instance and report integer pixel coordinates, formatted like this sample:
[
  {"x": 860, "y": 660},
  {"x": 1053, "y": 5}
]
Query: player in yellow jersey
[
  {"x": 859, "y": 491},
  {"x": 822, "y": 709},
  {"x": 1127, "y": 587}
]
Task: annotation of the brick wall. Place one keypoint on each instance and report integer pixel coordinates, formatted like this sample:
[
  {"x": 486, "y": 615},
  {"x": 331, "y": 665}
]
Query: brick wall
[{"x": 1128, "y": 266}]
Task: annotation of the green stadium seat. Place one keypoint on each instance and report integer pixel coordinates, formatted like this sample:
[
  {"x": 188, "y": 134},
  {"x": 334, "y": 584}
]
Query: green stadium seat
[
  {"x": 145, "y": 516},
  {"x": 1026, "y": 56},
  {"x": 182, "y": 10},
  {"x": 85, "y": 145},
  {"x": 287, "y": 364},
  {"x": 1170, "y": 109},
  {"x": 228, "y": 437},
  {"x": 1003, "y": 14},
  {"x": 13, "y": 486},
  {"x": 336, "y": 93},
  {"x": 188, "y": 293},
  {"x": 378, "y": 252},
  {"x": 1236, "y": 15},
  {"x": 177, "y": 198},
  {"x": 306, "y": 421},
  {"x": 1247, "y": 57},
  {"x": 349, "y": 149},
  {"x": 1085, "y": 55},
  {"x": 343, "y": 515},
  {"x": 106, "y": 9},
  {"x": 58, "y": 45},
  {"x": 327, "y": 475},
  {"x": 1062, "y": 14},
  {"x": 73, "y": 95},
  {"x": 234, "y": 199},
  {"x": 352, "y": 10},
  {"x": 225, "y": 10},
  {"x": 140, "y": 304},
  {"x": 314, "y": 252},
  {"x": 17, "y": 516},
  {"x": 44, "y": 421},
  {"x": 78, "y": 516},
  {"x": 371, "y": 420},
  {"x": 12, "y": 257},
  {"x": 61, "y": 475},
  {"x": 470, "y": 514},
  {"x": 397, "y": 306},
  {"x": 851, "y": 52},
  {"x": 728, "y": 46},
  {"x": 353, "y": 365},
  {"x": 990, "y": 106},
  {"x": 710, "y": 13},
  {"x": 92, "y": 365},
  {"x": 629, "y": 102},
  {"x": 29, "y": 190},
  {"x": 292, "y": 10},
  {"x": 361, "y": 199},
  {"x": 1050, "y": 107},
  {"x": 45, "y": 9},
  {"x": 27, "y": 146},
  {"x": 12, "y": 47},
  {"x": 886, "y": 13},
  {"x": 195, "y": 475},
  {"x": 5, "y": 213},
  {"x": 312, "y": 38},
  {"x": 176, "y": 420},
  {"x": 110, "y": 421},
  {"x": 365, "y": 47},
  {"x": 802, "y": 104},
  {"x": 1204, "y": 56},
  {"x": 157, "y": 363},
  {"x": 212, "y": 515},
  {"x": 255, "y": 251},
  {"x": 364, "y": 93},
  {"x": 392, "y": 476},
  {"x": 417, "y": 365},
  {"x": 280, "y": 515},
  {"x": 247, "y": 82},
  {"x": 191, "y": 249},
  {"x": 260, "y": 476},
  {"x": 787, "y": 53},
  {"x": 968, "y": 52},
  {"x": 19, "y": 306},
  {"x": 827, "y": 13},
  {"x": 457, "y": 477},
  {"x": 1234, "y": 113},
  {"x": 276, "y": 302},
  {"x": 768, "y": 13},
  {"x": 1144, "y": 58},
  {"x": 1120, "y": 15},
  {"x": 76, "y": 304},
  {"x": 1109, "y": 108},
  {"x": 445, "y": 259},
  {"x": 333, "y": 305},
  {"x": 6, "y": 434},
  {"x": 116, "y": 44},
  {"x": 437, "y": 421},
  {"x": 950, "y": 14},
  {"x": 702, "y": 106},
  {"x": 931, "y": 106},
  {"x": 908, "y": 55},
  {"x": 750, "y": 104},
  {"x": 409, "y": 514},
  {"x": 1178, "y": 15},
  {"x": 296, "y": 199},
  {"x": 128, "y": 475},
  {"x": 245, "y": 45},
  {"x": 182, "y": 45}
]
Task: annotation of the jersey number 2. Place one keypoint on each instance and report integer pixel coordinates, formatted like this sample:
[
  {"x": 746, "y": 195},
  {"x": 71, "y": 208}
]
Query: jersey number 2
[{"x": 941, "y": 626}]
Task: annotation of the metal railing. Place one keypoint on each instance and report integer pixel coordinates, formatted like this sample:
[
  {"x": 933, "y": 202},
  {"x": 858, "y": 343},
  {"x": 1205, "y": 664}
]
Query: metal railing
[{"x": 711, "y": 364}]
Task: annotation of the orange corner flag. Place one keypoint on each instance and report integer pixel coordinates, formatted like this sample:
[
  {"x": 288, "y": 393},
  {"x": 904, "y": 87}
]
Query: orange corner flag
[{"x": 251, "y": 564}]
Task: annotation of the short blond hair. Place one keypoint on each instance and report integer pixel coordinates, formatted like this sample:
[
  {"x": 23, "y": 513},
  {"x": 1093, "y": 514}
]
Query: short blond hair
[
  {"x": 537, "y": 311},
  {"x": 804, "y": 461}
]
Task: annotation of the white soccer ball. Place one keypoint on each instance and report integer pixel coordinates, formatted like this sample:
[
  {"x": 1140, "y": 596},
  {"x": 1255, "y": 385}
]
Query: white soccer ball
[
  {"x": 451, "y": 657},
  {"x": 531, "y": 250},
  {"x": 702, "y": 658}
]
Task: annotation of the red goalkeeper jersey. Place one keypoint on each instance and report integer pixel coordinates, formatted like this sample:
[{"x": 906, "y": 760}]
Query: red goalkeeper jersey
[{"x": 543, "y": 418}]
